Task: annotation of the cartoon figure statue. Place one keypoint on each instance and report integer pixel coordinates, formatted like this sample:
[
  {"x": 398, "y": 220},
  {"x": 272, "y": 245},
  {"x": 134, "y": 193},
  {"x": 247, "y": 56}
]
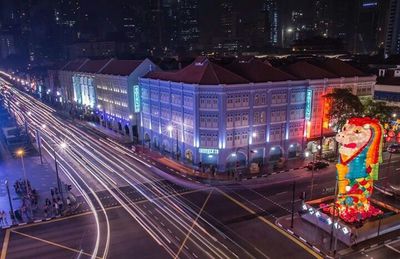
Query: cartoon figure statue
[{"x": 361, "y": 141}]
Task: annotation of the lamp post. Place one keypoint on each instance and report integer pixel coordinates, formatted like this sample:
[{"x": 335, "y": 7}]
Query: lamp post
[
  {"x": 63, "y": 145},
  {"x": 9, "y": 199},
  {"x": 39, "y": 142},
  {"x": 313, "y": 169},
  {"x": 21, "y": 153}
]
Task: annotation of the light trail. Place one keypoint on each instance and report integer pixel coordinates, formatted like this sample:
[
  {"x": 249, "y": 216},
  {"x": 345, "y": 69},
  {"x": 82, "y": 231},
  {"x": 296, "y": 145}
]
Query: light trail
[{"x": 91, "y": 157}]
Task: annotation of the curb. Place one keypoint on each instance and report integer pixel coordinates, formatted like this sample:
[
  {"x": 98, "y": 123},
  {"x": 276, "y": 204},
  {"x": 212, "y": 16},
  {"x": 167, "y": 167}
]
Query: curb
[
  {"x": 273, "y": 173},
  {"x": 313, "y": 247},
  {"x": 30, "y": 222},
  {"x": 380, "y": 243}
]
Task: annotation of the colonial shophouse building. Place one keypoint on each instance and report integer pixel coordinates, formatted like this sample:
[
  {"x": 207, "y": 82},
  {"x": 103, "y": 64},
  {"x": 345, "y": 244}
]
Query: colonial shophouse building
[
  {"x": 109, "y": 87},
  {"x": 245, "y": 112}
]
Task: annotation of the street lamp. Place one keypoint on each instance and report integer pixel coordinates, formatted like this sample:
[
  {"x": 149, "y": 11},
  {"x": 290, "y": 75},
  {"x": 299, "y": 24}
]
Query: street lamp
[
  {"x": 9, "y": 200},
  {"x": 312, "y": 172},
  {"x": 20, "y": 152},
  {"x": 39, "y": 142},
  {"x": 63, "y": 145}
]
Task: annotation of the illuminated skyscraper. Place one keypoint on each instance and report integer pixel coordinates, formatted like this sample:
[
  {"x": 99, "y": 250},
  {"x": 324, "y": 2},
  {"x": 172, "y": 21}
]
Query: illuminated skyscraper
[
  {"x": 272, "y": 28},
  {"x": 392, "y": 45}
]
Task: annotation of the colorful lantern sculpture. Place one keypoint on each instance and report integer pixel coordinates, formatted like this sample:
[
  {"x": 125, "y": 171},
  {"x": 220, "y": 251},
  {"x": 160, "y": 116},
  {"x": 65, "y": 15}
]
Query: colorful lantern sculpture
[{"x": 361, "y": 141}]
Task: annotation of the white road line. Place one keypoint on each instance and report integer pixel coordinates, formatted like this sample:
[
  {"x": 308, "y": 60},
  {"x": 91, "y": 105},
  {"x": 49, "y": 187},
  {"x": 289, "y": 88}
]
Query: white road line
[{"x": 392, "y": 248}]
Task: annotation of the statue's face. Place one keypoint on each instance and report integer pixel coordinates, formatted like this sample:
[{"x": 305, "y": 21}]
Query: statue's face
[{"x": 352, "y": 138}]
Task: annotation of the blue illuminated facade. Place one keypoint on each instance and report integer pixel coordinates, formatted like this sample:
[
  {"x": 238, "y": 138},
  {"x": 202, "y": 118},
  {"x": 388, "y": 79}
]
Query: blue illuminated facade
[{"x": 224, "y": 125}]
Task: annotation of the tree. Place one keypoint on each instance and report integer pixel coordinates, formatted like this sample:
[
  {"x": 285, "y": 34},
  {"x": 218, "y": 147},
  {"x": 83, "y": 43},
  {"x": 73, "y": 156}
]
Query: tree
[
  {"x": 343, "y": 105},
  {"x": 378, "y": 110}
]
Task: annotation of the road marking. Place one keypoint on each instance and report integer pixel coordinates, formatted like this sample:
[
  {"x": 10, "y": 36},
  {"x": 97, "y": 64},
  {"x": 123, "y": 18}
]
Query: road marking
[
  {"x": 54, "y": 244},
  {"x": 392, "y": 248},
  {"x": 109, "y": 208},
  {"x": 302, "y": 245},
  {"x": 5, "y": 244},
  {"x": 194, "y": 223}
]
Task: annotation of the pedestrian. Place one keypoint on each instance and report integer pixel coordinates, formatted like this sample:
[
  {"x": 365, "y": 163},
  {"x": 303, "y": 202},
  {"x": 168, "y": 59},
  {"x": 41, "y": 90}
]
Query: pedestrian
[
  {"x": 24, "y": 211},
  {"x": 4, "y": 216},
  {"x": 45, "y": 210},
  {"x": 52, "y": 192},
  {"x": 1, "y": 218},
  {"x": 12, "y": 217},
  {"x": 60, "y": 204},
  {"x": 56, "y": 190},
  {"x": 55, "y": 208},
  {"x": 68, "y": 202}
]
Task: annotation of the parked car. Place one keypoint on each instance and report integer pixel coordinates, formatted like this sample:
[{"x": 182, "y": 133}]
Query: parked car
[
  {"x": 394, "y": 148},
  {"x": 317, "y": 165}
]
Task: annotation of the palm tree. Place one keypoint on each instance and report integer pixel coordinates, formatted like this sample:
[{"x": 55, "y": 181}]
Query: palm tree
[{"x": 343, "y": 105}]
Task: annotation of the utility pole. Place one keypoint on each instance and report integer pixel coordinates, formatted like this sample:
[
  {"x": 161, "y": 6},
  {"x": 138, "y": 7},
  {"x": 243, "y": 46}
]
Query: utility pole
[
  {"x": 9, "y": 199},
  {"x": 38, "y": 141},
  {"x": 312, "y": 177},
  {"x": 333, "y": 215},
  {"x": 57, "y": 175},
  {"x": 293, "y": 195}
]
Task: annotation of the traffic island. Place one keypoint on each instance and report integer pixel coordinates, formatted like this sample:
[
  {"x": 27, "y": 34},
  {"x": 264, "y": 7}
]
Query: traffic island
[{"x": 351, "y": 233}]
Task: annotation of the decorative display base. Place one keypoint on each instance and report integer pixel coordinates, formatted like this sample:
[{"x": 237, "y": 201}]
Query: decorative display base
[{"x": 352, "y": 233}]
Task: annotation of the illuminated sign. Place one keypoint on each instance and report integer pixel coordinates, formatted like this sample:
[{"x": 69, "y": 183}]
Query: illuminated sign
[
  {"x": 308, "y": 104},
  {"x": 209, "y": 151},
  {"x": 136, "y": 98}
]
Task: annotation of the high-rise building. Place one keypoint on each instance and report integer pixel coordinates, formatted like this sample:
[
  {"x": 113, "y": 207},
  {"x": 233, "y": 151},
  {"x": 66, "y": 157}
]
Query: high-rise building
[
  {"x": 392, "y": 44},
  {"x": 188, "y": 21},
  {"x": 7, "y": 45},
  {"x": 228, "y": 19},
  {"x": 272, "y": 26},
  {"x": 370, "y": 25}
]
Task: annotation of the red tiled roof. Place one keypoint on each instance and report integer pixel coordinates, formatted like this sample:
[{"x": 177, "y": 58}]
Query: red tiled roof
[
  {"x": 74, "y": 65},
  {"x": 202, "y": 72},
  {"x": 340, "y": 68},
  {"x": 93, "y": 66},
  {"x": 257, "y": 71},
  {"x": 121, "y": 67},
  {"x": 305, "y": 70}
]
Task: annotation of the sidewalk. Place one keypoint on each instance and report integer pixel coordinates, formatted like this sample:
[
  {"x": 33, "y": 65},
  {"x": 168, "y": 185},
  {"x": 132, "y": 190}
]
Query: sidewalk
[
  {"x": 191, "y": 172},
  {"x": 41, "y": 178}
]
